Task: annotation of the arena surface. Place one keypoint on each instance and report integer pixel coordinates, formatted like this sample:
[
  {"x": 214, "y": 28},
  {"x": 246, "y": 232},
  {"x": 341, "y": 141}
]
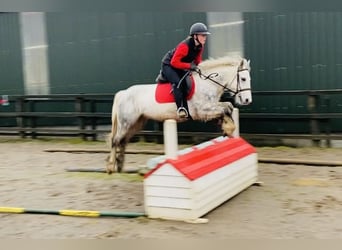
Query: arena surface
[{"x": 295, "y": 201}]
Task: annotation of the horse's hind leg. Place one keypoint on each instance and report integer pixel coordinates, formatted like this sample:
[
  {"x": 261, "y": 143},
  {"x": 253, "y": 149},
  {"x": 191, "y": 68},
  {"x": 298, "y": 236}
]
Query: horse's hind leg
[
  {"x": 111, "y": 160},
  {"x": 120, "y": 157},
  {"x": 116, "y": 157},
  {"x": 120, "y": 153}
]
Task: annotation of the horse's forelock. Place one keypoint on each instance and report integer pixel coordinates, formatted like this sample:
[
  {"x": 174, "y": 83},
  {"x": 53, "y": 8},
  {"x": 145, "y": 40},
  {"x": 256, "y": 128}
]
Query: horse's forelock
[{"x": 218, "y": 62}]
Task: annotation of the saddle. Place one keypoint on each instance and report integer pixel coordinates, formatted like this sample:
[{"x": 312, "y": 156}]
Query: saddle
[{"x": 164, "y": 91}]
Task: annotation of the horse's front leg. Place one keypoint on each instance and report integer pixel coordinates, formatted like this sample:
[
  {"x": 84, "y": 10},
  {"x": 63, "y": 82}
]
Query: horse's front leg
[
  {"x": 211, "y": 111},
  {"x": 228, "y": 108},
  {"x": 223, "y": 112},
  {"x": 228, "y": 126}
]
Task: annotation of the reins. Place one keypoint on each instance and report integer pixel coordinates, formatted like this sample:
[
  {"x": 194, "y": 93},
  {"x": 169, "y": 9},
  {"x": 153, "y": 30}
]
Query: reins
[{"x": 212, "y": 75}]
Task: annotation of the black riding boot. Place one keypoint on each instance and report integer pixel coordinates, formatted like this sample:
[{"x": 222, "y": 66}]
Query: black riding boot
[
  {"x": 185, "y": 105},
  {"x": 178, "y": 94}
]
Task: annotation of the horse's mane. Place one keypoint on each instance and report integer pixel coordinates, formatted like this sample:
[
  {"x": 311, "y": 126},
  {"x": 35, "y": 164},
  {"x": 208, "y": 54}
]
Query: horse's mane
[{"x": 221, "y": 61}]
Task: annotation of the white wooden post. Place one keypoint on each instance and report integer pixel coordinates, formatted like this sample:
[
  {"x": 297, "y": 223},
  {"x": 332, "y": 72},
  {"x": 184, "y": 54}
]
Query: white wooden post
[
  {"x": 170, "y": 139},
  {"x": 235, "y": 116}
]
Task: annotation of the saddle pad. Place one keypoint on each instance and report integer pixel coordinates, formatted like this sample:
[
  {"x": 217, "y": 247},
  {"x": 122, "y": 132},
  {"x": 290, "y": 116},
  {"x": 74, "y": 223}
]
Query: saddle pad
[{"x": 164, "y": 92}]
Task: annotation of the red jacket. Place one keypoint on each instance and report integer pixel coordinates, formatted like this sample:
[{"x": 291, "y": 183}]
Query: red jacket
[{"x": 184, "y": 54}]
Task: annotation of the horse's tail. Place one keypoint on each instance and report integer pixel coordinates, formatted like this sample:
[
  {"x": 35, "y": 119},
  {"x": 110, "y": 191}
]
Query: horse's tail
[{"x": 114, "y": 119}]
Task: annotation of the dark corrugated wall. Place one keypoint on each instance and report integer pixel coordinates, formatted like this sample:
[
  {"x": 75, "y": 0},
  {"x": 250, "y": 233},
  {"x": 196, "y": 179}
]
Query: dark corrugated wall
[
  {"x": 104, "y": 52},
  {"x": 293, "y": 51},
  {"x": 11, "y": 72}
]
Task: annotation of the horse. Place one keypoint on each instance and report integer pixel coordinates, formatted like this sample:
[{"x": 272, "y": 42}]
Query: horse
[{"x": 135, "y": 105}]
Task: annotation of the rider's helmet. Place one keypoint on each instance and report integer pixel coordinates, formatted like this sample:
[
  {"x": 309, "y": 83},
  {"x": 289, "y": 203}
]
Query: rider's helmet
[{"x": 199, "y": 28}]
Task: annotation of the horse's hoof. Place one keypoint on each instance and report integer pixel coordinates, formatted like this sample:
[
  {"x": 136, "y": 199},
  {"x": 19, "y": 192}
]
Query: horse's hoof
[{"x": 109, "y": 170}]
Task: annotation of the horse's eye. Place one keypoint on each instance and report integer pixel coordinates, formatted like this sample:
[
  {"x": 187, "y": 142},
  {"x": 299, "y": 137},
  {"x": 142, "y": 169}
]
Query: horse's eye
[{"x": 243, "y": 79}]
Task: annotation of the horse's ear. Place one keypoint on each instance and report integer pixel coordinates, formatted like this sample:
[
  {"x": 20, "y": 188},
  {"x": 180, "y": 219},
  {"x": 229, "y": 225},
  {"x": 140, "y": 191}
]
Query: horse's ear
[
  {"x": 241, "y": 63},
  {"x": 244, "y": 64}
]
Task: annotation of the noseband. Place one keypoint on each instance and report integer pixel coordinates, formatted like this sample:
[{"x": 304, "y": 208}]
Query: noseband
[{"x": 238, "y": 83}]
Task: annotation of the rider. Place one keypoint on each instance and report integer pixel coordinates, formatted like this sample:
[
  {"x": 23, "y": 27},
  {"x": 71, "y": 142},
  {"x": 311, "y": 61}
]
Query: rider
[{"x": 178, "y": 61}]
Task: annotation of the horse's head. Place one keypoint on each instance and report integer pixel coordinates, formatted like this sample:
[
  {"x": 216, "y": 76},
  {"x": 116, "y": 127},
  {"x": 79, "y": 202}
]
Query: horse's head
[
  {"x": 243, "y": 92},
  {"x": 231, "y": 75}
]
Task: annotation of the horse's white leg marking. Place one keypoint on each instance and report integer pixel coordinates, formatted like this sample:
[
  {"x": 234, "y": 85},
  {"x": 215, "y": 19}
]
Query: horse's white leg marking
[{"x": 228, "y": 125}]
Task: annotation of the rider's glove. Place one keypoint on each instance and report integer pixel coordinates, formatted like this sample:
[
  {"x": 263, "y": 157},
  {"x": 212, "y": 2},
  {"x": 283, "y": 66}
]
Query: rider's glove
[{"x": 193, "y": 67}]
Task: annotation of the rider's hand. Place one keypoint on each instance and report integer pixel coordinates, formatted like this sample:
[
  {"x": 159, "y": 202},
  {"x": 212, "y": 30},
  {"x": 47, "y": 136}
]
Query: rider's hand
[{"x": 193, "y": 67}]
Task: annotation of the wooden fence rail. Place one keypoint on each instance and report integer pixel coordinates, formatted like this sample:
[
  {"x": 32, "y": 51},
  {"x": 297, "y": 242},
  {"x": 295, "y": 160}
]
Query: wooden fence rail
[{"x": 86, "y": 116}]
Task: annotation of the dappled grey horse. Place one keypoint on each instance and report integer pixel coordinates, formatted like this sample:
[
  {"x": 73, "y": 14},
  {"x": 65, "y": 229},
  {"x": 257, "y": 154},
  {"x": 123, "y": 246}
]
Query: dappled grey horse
[{"x": 133, "y": 106}]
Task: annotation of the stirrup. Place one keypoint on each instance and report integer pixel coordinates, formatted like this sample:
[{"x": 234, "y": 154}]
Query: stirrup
[{"x": 182, "y": 112}]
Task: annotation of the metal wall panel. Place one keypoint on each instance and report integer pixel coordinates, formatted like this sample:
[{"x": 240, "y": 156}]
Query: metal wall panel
[
  {"x": 34, "y": 47},
  {"x": 226, "y": 33}
]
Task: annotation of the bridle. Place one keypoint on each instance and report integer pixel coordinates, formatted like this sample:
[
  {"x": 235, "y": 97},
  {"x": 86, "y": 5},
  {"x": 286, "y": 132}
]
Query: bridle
[{"x": 239, "y": 89}]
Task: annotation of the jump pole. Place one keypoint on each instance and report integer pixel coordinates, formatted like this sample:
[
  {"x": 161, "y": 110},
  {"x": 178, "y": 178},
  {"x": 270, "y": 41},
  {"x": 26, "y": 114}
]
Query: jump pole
[{"x": 75, "y": 213}]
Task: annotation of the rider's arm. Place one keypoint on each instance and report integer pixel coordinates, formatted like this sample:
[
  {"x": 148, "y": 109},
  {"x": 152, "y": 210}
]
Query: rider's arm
[{"x": 180, "y": 52}]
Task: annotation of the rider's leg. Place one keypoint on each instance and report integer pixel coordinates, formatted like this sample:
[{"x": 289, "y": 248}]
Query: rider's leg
[
  {"x": 183, "y": 88},
  {"x": 185, "y": 105},
  {"x": 178, "y": 94},
  {"x": 174, "y": 77}
]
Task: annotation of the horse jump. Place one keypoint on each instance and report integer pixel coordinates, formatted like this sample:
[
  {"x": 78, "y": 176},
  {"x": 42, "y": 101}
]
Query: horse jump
[{"x": 187, "y": 184}]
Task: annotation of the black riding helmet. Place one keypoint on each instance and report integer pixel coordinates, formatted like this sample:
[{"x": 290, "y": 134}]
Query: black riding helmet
[{"x": 199, "y": 28}]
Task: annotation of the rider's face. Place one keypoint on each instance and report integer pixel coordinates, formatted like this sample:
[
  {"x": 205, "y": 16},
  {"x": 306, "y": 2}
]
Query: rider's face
[{"x": 202, "y": 38}]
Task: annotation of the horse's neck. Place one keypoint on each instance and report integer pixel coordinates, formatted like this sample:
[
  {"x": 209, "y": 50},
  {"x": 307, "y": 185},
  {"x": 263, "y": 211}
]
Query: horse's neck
[
  {"x": 206, "y": 89},
  {"x": 225, "y": 77},
  {"x": 229, "y": 77}
]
